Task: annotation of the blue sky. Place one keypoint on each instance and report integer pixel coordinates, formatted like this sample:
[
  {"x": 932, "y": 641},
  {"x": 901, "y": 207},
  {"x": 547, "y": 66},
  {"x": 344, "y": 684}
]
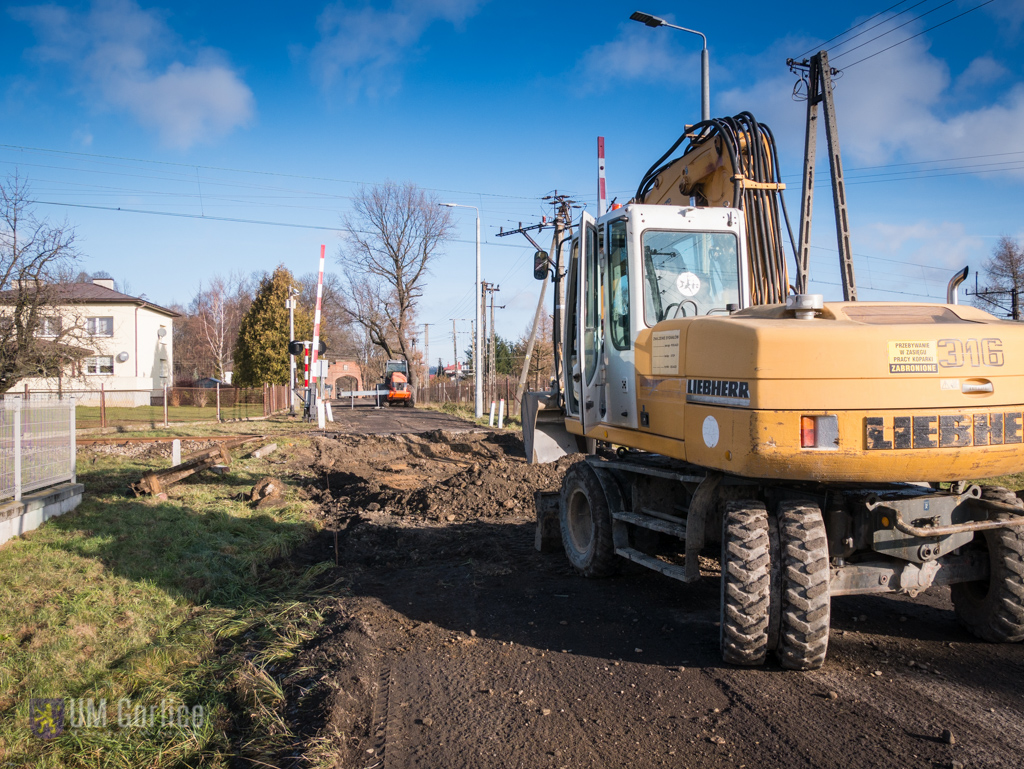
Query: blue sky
[{"x": 277, "y": 113}]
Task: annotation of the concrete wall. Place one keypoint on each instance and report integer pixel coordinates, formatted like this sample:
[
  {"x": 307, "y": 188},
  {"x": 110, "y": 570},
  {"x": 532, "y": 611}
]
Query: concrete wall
[{"x": 38, "y": 507}]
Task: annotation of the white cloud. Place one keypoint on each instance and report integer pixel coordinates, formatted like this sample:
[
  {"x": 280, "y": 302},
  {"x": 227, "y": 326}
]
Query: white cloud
[
  {"x": 919, "y": 257},
  {"x": 361, "y": 49},
  {"x": 902, "y": 105},
  {"x": 638, "y": 54},
  {"x": 118, "y": 54},
  {"x": 981, "y": 72}
]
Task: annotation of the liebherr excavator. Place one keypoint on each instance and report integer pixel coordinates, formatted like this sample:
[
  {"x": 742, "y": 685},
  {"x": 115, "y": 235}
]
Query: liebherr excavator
[{"x": 828, "y": 446}]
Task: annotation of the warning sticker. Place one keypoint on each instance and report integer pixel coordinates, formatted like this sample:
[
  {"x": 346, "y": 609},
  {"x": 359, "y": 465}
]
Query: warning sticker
[
  {"x": 913, "y": 358},
  {"x": 665, "y": 353}
]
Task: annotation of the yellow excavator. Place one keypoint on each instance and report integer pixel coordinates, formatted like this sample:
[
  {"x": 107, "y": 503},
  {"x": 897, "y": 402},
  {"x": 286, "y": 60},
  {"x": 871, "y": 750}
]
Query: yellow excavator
[{"x": 829, "y": 447}]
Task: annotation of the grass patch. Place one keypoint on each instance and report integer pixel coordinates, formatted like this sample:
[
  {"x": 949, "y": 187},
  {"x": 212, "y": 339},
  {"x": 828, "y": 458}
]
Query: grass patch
[
  {"x": 280, "y": 424},
  {"x": 1012, "y": 482},
  {"x": 125, "y": 415},
  {"x": 155, "y": 604}
]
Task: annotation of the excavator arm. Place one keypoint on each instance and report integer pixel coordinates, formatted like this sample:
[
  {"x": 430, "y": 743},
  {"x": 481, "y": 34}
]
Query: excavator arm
[{"x": 731, "y": 162}]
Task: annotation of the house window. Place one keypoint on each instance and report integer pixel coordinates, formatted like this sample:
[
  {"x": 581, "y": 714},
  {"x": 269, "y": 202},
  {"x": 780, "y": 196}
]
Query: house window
[
  {"x": 100, "y": 326},
  {"x": 48, "y": 326},
  {"x": 99, "y": 364}
]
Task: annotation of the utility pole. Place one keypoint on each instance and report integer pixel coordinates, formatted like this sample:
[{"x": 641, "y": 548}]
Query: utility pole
[
  {"x": 455, "y": 348},
  {"x": 563, "y": 221},
  {"x": 485, "y": 367},
  {"x": 426, "y": 356},
  {"x": 562, "y": 215},
  {"x": 491, "y": 368},
  {"x": 1014, "y": 293},
  {"x": 819, "y": 91}
]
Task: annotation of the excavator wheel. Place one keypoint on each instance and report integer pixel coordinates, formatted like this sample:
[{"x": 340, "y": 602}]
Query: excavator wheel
[
  {"x": 993, "y": 609},
  {"x": 586, "y": 523},
  {"x": 746, "y": 575},
  {"x": 804, "y": 576}
]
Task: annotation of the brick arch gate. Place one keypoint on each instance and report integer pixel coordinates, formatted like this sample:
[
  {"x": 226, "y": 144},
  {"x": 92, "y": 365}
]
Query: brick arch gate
[{"x": 345, "y": 375}]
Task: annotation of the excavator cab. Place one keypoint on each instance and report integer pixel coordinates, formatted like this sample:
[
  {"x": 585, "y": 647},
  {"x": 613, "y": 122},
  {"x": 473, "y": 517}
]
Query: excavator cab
[
  {"x": 630, "y": 270},
  {"x": 627, "y": 271}
]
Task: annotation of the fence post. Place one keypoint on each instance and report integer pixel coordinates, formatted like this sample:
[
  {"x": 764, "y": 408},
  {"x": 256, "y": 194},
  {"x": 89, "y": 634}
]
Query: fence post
[
  {"x": 265, "y": 400},
  {"x": 218, "y": 402},
  {"x": 165, "y": 405},
  {"x": 17, "y": 450},
  {"x": 72, "y": 441},
  {"x": 103, "y": 405}
]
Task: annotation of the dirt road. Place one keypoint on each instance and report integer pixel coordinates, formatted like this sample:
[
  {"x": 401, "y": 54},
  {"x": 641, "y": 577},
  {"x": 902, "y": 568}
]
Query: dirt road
[{"x": 458, "y": 645}]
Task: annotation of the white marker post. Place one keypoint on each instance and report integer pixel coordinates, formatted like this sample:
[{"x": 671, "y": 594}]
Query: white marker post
[
  {"x": 501, "y": 413},
  {"x": 490, "y": 422}
]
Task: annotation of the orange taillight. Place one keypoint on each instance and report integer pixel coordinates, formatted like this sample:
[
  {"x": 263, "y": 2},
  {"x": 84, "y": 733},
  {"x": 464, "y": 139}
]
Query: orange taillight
[{"x": 807, "y": 433}]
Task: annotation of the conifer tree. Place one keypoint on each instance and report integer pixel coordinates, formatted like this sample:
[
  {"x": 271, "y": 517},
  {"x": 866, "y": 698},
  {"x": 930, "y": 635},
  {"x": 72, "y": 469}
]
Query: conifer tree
[{"x": 261, "y": 353}]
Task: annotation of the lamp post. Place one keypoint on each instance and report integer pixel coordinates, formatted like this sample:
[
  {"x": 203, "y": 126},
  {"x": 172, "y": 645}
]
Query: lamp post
[
  {"x": 705, "y": 83},
  {"x": 477, "y": 381}
]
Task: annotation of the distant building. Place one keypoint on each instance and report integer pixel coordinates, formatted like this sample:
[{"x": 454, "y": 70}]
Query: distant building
[
  {"x": 454, "y": 371},
  {"x": 129, "y": 341},
  {"x": 342, "y": 376}
]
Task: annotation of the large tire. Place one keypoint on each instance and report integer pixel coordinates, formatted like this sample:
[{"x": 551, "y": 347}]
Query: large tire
[
  {"x": 805, "y": 605},
  {"x": 993, "y": 609},
  {"x": 746, "y": 574},
  {"x": 586, "y": 523}
]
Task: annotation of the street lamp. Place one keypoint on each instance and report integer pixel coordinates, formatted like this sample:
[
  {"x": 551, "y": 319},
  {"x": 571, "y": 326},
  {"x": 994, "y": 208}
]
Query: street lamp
[
  {"x": 705, "y": 83},
  {"x": 478, "y": 382}
]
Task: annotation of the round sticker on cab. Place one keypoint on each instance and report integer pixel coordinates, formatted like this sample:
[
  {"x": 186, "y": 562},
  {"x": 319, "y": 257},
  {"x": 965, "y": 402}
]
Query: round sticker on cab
[
  {"x": 687, "y": 284},
  {"x": 710, "y": 431}
]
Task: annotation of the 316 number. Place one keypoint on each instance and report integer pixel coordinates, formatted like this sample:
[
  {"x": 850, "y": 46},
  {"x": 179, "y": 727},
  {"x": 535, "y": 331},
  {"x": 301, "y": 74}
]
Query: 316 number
[{"x": 955, "y": 353}]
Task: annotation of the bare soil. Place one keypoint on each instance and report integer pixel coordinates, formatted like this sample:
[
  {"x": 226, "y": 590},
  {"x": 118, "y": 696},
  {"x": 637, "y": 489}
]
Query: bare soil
[{"x": 456, "y": 644}]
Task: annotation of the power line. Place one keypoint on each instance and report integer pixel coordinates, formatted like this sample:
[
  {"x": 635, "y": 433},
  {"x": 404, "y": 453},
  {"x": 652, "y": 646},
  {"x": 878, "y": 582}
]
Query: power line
[
  {"x": 863, "y": 32},
  {"x": 905, "y": 40},
  {"x": 925, "y": 175},
  {"x": 242, "y": 170},
  {"x": 923, "y": 162},
  {"x": 235, "y": 220},
  {"x": 890, "y": 31}
]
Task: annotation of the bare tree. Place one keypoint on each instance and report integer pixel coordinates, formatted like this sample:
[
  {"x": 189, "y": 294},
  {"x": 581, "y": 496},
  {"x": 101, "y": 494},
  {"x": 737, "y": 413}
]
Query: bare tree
[
  {"x": 218, "y": 311},
  {"x": 40, "y": 333},
  {"x": 393, "y": 235},
  {"x": 1005, "y": 279},
  {"x": 335, "y": 325},
  {"x": 542, "y": 361}
]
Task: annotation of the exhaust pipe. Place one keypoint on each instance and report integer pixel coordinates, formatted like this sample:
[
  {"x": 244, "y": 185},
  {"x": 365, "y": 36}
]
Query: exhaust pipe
[{"x": 952, "y": 295}]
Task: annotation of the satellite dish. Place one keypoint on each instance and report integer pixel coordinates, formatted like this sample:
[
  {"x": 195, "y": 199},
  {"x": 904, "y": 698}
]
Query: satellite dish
[
  {"x": 122, "y": 357},
  {"x": 162, "y": 332}
]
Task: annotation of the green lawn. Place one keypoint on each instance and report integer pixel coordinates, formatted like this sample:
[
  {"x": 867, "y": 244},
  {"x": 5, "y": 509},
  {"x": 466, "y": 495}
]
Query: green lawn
[
  {"x": 187, "y": 602},
  {"x": 89, "y": 416}
]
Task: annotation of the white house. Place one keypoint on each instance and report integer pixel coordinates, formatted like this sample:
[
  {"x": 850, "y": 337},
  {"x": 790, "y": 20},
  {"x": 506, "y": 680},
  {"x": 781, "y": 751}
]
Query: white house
[{"x": 130, "y": 339}]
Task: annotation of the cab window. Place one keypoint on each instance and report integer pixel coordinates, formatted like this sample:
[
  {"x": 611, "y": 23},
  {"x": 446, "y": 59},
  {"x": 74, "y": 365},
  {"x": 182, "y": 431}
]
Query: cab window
[
  {"x": 688, "y": 274},
  {"x": 618, "y": 285}
]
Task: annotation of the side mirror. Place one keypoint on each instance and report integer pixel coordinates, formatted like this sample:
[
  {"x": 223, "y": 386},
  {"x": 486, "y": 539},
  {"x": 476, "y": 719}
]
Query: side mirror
[{"x": 540, "y": 265}]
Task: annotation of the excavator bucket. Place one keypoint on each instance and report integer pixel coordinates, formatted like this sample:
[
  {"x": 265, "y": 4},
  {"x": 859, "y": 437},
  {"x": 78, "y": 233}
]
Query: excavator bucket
[{"x": 544, "y": 432}]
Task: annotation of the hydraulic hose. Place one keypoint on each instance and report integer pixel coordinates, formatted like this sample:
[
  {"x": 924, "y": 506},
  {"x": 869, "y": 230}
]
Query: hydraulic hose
[{"x": 753, "y": 154}]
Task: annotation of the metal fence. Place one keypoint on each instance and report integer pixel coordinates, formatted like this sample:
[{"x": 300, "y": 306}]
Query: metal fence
[
  {"x": 461, "y": 391},
  {"x": 37, "y": 442},
  {"x": 121, "y": 408}
]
